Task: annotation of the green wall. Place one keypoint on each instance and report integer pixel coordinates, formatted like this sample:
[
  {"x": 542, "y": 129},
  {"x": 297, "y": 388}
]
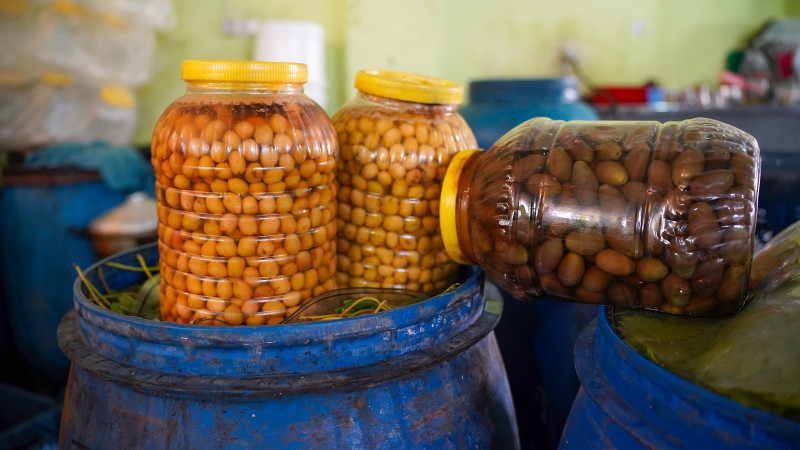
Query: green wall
[
  {"x": 198, "y": 35},
  {"x": 676, "y": 42}
]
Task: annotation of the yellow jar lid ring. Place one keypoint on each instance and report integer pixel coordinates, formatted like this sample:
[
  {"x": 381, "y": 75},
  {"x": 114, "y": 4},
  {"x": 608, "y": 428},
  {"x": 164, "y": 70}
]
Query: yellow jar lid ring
[
  {"x": 409, "y": 87},
  {"x": 244, "y": 71},
  {"x": 447, "y": 205}
]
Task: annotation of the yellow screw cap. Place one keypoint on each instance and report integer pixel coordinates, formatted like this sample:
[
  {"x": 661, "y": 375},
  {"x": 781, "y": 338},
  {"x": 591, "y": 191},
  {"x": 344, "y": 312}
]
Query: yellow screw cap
[
  {"x": 244, "y": 71},
  {"x": 409, "y": 87},
  {"x": 447, "y": 205}
]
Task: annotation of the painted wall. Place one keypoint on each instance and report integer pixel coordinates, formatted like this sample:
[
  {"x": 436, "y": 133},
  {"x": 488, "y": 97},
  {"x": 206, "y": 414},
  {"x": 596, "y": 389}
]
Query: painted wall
[
  {"x": 676, "y": 42},
  {"x": 198, "y": 35},
  {"x": 793, "y": 8}
]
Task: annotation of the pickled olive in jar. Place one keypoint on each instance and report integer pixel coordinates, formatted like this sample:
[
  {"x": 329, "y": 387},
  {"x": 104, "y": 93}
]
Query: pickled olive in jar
[
  {"x": 396, "y": 140},
  {"x": 635, "y": 214},
  {"x": 245, "y": 182}
]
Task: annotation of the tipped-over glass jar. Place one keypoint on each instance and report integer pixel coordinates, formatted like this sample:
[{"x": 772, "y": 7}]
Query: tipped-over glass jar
[
  {"x": 637, "y": 214},
  {"x": 245, "y": 182}
]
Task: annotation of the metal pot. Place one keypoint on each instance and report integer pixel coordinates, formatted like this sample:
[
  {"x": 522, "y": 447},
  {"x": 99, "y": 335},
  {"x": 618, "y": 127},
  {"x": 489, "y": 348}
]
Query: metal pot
[{"x": 126, "y": 226}]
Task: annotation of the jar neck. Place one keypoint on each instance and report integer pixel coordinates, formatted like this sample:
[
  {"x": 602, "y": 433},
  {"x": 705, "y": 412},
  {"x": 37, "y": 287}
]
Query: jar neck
[
  {"x": 239, "y": 87},
  {"x": 462, "y": 207},
  {"x": 413, "y": 107}
]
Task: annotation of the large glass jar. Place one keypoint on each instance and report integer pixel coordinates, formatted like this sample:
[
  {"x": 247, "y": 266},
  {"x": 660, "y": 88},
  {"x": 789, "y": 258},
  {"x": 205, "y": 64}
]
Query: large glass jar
[
  {"x": 397, "y": 138},
  {"x": 245, "y": 182},
  {"x": 658, "y": 216}
]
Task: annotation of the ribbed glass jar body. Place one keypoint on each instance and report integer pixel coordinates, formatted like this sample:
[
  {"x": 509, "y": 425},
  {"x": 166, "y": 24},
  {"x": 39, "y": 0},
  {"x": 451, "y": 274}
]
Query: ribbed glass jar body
[
  {"x": 394, "y": 156},
  {"x": 245, "y": 182}
]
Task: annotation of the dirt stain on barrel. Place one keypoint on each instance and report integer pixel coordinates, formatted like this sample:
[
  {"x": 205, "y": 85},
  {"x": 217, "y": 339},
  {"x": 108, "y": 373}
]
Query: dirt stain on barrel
[{"x": 425, "y": 420}]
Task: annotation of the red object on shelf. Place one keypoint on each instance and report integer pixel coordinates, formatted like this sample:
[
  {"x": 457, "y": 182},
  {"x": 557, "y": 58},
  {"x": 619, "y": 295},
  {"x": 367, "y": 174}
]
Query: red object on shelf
[{"x": 619, "y": 94}]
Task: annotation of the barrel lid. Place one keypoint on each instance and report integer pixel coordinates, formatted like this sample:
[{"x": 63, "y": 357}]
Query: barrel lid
[{"x": 564, "y": 89}]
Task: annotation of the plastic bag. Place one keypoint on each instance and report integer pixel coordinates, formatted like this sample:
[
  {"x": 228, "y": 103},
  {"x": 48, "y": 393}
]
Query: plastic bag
[
  {"x": 96, "y": 41},
  {"x": 752, "y": 357},
  {"x": 92, "y": 46},
  {"x": 55, "y": 109}
]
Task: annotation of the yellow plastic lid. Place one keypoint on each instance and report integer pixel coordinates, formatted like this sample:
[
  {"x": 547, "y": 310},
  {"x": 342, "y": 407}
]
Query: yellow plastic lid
[
  {"x": 117, "y": 95},
  {"x": 244, "y": 71},
  {"x": 409, "y": 87},
  {"x": 447, "y": 205}
]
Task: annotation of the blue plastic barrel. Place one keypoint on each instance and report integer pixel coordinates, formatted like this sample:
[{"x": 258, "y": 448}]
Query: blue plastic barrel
[
  {"x": 425, "y": 376},
  {"x": 43, "y": 214},
  {"x": 536, "y": 339},
  {"x": 626, "y": 401},
  {"x": 497, "y": 105}
]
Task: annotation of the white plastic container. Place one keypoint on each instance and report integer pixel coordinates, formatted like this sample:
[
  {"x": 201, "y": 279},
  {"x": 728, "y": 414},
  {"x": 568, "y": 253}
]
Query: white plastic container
[{"x": 296, "y": 41}]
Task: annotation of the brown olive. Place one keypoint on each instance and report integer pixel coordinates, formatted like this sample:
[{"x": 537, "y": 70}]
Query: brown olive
[
  {"x": 596, "y": 279},
  {"x": 611, "y": 172},
  {"x": 682, "y": 257},
  {"x": 676, "y": 290},
  {"x": 559, "y": 164},
  {"x": 585, "y": 241},
  {"x": 621, "y": 294},
  {"x": 711, "y": 184},
  {"x": 636, "y": 162},
  {"x": 650, "y": 296},
  {"x": 703, "y": 225},
  {"x": 707, "y": 277},
  {"x": 571, "y": 268},
  {"x": 548, "y": 255},
  {"x": 527, "y": 166},
  {"x": 687, "y": 165},
  {"x": 614, "y": 263},
  {"x": 584, "y": 183},
  {"x": 651, "y": 269}
]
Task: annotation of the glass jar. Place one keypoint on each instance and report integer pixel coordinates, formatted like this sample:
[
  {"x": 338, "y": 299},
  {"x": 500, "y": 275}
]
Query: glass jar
[
  {"x": 397, "y": 138},
  {"x": 498, "y": 105},
  {"x": 245, "y": 182},
  {"x": 638, "y": 214}
]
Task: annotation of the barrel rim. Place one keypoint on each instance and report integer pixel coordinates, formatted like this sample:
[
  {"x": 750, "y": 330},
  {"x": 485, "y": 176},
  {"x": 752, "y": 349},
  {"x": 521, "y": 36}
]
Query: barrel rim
[
  {"x": 308, "y": 347},
  {"x": 474, "y": 275},
  {"x": 270, "y": 385}
]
